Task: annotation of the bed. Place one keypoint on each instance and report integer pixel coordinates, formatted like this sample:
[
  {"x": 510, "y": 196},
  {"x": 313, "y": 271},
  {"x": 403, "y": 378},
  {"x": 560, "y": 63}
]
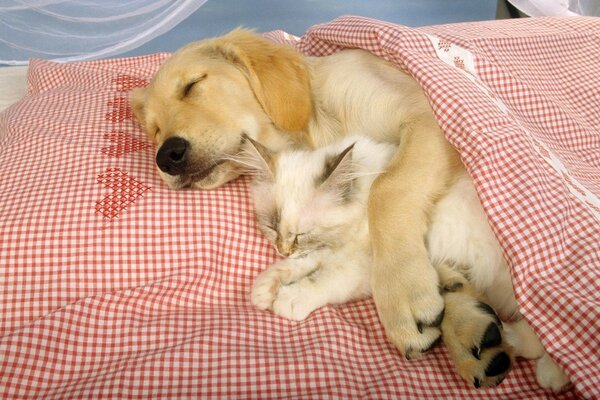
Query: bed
[
  {"x": 114, "y": 286},
  {"x": 13, "y": 85}
]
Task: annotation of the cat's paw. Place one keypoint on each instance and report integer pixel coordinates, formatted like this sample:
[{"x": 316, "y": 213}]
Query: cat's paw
[
  {"x": 550, "y": 375},
  {"x": 294, "y": 302},
  {"x": 265, "y": 289},
  {"x": 473, "y": 334},
  {"x": 411, "y": 311}
]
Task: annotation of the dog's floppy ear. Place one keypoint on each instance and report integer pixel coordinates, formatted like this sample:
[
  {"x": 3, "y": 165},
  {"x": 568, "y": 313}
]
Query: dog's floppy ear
[
  {"x": 137, "y": 100},
  {"x": 277, "y": 74}
]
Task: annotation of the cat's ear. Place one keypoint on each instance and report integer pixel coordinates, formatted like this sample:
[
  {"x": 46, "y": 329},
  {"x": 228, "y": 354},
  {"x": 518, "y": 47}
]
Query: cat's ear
[
  {"x": 338, "y": 173},
  {"x": 258, "y": 159}
]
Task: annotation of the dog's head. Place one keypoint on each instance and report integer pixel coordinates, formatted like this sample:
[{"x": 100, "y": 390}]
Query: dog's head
[{"x": 209, "y": 94}]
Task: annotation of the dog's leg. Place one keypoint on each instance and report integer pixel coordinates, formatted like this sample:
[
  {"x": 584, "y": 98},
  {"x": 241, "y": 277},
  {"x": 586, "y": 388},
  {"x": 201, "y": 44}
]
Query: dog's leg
[
  {"x": 481, "y": 347},
  {"x": 405, "y": 285},
  {"x": 472, "y": 332}
]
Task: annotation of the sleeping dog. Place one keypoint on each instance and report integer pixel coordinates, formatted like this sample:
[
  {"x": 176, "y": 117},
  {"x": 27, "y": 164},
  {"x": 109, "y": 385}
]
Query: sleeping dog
[{"x": 211, "y": 94}]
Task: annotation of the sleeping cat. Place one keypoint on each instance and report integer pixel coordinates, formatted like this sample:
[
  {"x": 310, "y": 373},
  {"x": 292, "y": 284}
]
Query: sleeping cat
[{"x": 312, "y": 206}]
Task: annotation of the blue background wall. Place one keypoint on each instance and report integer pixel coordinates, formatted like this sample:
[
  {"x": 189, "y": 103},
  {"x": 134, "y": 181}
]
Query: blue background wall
[{"x": 216, "y": 17}]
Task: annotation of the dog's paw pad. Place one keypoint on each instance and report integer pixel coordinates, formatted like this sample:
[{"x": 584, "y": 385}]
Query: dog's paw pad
[
  {"x": 499, "y": 364},
  {"x": 491, "y": 338},
  {"x": 495, "y": 372},
  {"x": 474, "y": 336}
]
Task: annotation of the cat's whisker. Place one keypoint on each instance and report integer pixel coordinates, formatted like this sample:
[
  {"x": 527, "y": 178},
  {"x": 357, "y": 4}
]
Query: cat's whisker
[
  {"x": 355, "y": 175},
  {"x": 247, "y": 165}
]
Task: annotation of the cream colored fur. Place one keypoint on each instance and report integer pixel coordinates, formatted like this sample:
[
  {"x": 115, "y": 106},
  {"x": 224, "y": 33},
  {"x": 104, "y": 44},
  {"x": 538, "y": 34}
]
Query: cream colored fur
[
  {"x": 248, "y": 85},
  {"x": 330, "y": 263}
]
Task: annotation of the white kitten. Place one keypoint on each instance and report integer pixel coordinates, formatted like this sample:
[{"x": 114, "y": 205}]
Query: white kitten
[{"x": 312, "y": 206}]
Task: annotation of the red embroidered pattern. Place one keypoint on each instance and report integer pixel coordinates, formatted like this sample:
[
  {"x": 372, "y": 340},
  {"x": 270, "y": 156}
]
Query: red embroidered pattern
[
  {"x": 444, "y": 45},
  {"x": 125, "y": 191},
  {"x": 121, "y": 110},
  {"x": 124, "y": 143},
  {"x": 125, "y": 82},
  {"x": 459, "y": 63}
]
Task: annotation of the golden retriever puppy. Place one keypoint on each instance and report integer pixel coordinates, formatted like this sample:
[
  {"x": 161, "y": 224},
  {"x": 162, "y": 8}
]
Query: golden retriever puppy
[
  {"x": 212, "y": 93},
  {"x": 200, "y": 104}
]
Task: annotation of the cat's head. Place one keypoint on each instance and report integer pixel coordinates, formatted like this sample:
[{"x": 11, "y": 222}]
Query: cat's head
[{"x": 304, "y": 200}]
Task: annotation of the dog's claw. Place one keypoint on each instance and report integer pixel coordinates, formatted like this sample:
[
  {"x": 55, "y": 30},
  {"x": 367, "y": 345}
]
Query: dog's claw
[
  {"x": 438, "y": 320},
  {"x": 433, "y": 344},
  {"x": 420, "y": 327}
]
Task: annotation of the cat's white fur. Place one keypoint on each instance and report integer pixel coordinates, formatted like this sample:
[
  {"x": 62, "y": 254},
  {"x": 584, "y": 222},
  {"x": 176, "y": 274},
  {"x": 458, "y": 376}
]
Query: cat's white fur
[{"x": 339, "y": 272}]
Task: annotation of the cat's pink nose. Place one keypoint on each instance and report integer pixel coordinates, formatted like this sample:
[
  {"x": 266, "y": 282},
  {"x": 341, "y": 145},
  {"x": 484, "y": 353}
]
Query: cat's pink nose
[{"x": 283, "y": 250}]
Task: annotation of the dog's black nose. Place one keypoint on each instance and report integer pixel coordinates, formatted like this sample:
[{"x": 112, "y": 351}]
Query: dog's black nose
[{"x": 172, "y": 155}]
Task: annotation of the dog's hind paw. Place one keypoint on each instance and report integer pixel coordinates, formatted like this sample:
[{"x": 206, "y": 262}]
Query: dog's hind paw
[{"x": 474, "y": 337}]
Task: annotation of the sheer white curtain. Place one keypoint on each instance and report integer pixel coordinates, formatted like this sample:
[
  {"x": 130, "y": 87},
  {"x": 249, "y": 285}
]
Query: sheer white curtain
[
  {"x": 66, "y": 30},
  {"x": 539, "y": 8}
]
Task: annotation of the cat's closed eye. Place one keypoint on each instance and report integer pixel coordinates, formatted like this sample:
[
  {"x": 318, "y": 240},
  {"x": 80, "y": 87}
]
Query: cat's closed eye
[
  {"x": 305, "y": 240},
  {"x": 269, "y": 231},
  {"x": 300, "y": 237}
]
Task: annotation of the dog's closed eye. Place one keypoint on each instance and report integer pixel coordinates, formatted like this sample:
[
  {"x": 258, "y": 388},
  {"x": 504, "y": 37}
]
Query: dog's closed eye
[{"x": 190, "y": 85}]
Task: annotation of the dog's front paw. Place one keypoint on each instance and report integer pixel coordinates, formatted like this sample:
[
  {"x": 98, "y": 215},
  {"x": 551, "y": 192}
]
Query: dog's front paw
[
  {"x": 411, "y": 312},
  {"x": 474, "y": 337},
  {"x": 294, "y": 302}
]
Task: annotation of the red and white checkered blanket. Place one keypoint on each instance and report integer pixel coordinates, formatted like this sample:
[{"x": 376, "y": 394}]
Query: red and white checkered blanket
[{"x": 114, "y": 286}]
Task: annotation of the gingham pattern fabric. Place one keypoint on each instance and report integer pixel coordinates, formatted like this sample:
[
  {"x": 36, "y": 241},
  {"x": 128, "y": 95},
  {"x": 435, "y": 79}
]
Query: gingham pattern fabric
[{"x": 114, "y": 286}]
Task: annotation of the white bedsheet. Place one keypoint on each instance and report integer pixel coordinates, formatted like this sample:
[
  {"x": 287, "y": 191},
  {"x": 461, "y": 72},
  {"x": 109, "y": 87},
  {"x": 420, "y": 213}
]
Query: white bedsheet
[{"x": 13, "y": 85}]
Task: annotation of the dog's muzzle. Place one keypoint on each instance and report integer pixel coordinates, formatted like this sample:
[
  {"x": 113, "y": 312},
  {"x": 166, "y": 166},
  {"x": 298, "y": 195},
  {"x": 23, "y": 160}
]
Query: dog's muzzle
[{"x": 172, "y": 155}]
